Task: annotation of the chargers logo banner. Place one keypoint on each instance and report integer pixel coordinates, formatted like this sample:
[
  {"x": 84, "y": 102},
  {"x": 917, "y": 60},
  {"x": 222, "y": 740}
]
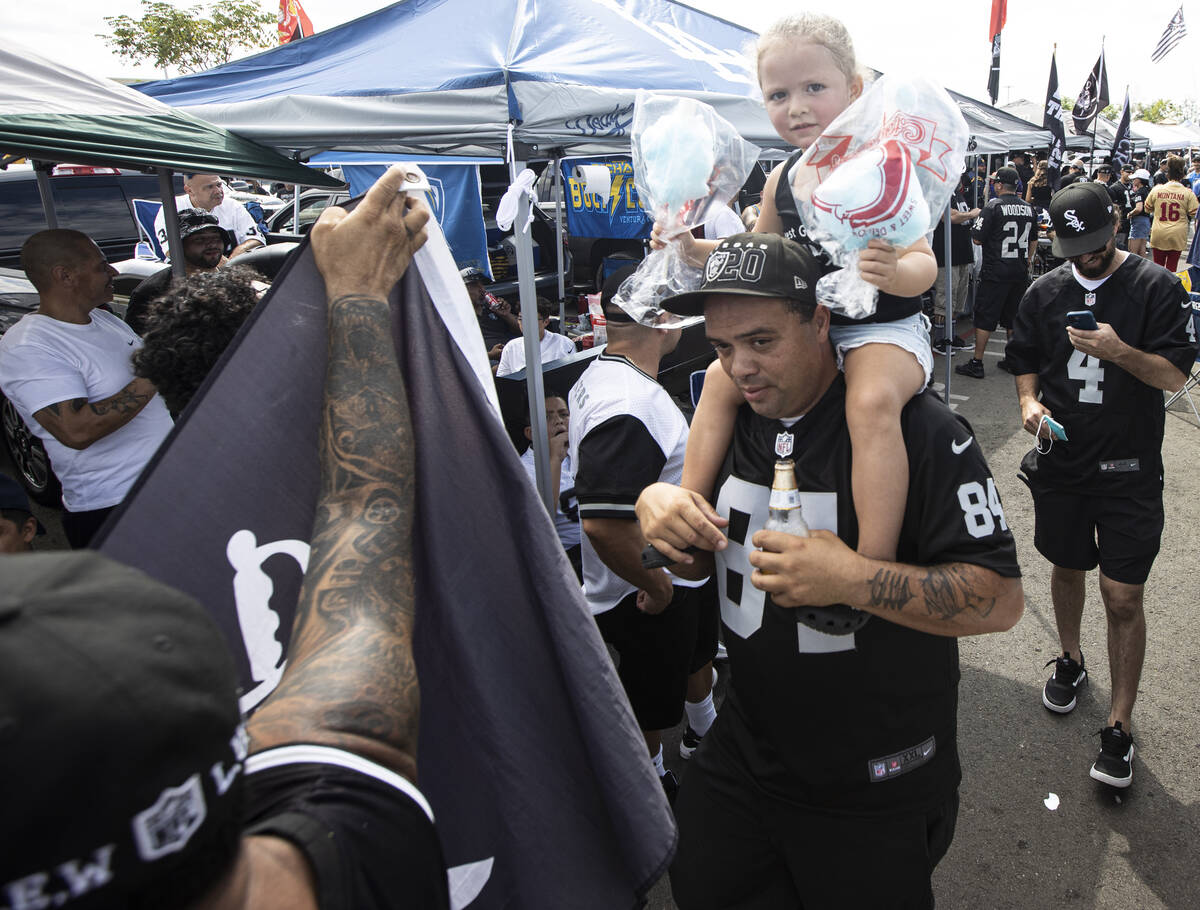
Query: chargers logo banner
[
  {"x": 514, "y": 674},
  {"x": 618, "y": 215},
  {"x": 454, "y": 197}
]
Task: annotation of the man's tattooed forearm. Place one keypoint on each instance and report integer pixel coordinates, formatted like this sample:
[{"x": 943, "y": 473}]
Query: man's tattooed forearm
[
  {"x": 950, "y": 590},
  {"x": 889, "y": 590},
  {"x": 124, "y": 402}
]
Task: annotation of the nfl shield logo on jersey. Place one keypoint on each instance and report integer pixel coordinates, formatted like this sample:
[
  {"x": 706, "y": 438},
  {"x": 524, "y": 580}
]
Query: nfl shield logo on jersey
[{"x": 783, "y": 445}]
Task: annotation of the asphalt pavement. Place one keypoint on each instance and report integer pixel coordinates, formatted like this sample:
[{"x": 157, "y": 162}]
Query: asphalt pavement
[{"x": 1100, "y": 848}]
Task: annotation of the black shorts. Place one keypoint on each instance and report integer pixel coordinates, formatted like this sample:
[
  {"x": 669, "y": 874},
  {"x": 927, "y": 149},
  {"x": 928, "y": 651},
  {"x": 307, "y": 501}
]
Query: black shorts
[
  {"x": 740, "y": 848},
  {"x": 1121, "y": 534},
  {"x": 996, "y": 303},
  {"x": 657, "y": 653}
]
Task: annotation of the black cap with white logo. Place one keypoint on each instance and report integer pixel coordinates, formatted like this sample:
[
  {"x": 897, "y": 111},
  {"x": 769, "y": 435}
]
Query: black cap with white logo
[
  {"x": 1082, "y": 216},
  {"x": 753, "y": 265},
  {"x": 121, "y": 743}
]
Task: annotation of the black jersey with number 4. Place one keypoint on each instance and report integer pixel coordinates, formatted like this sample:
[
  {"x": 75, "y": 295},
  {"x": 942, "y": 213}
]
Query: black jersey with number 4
[
  {"x": 864, "y": 722},
  {"x": 1114, "y": 421},
  {"x": 1004, "y": 229}
]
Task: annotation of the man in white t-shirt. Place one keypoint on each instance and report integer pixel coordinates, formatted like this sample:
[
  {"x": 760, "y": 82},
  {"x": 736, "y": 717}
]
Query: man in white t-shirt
[
  {"x": 66, "y": 368},
  {"x": 206, "y": 192},
  {"x": 554, "y": 346}
]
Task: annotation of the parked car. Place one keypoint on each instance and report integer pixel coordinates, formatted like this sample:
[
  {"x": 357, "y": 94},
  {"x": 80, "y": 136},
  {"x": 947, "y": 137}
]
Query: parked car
[
  {"x": 18, "y": 297},
  {"x": 97, "y": 201}
]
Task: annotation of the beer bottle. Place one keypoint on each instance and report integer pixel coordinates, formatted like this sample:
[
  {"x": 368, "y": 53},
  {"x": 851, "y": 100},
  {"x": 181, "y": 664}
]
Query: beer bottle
[{"x": 784, "y": 504}]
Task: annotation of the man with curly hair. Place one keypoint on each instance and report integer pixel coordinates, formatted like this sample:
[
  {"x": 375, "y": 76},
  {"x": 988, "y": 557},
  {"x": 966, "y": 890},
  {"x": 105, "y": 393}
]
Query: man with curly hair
[{"x": 188, "y": 328}]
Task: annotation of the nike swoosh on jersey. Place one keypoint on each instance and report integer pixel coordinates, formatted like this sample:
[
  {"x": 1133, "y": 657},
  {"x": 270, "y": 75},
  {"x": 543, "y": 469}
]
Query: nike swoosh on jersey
[{"x": 959, "y": 447}]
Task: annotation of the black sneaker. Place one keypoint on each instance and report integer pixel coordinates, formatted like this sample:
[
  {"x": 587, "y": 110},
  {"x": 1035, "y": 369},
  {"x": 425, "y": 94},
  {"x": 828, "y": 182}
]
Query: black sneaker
[
  {"x": 941, "y": 347},
  {"x": 972, "y": 368},
  {"x": 1002, "y": 364},
  {"x": 1059, "y": 692},
  {"x": 670, "y": 785},
  {"x": 963, "y": 344},
  {"x": 1114, "y": 765},
  {"x": 689, "y": 743}
]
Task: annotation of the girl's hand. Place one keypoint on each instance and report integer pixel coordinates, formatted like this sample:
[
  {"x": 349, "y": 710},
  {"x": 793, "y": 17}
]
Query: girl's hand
[
  {"x": 685, "y": 240},
  {"x": 878, "y": 263}
]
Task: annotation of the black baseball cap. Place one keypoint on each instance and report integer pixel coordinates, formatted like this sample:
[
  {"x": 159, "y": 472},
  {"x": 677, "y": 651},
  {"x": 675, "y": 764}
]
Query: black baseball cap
[
  {"x": 753, "y": 265},
  {"x": 1082, "y": 217},
  {"x": 1104, "y": 167},
  {"x": 122, "y": 742},
  {"x": 192, "y": 221},
  {"x": 471, "y": 273},
  {"x": 12, "y": 496},
  {"x": 612, "y": 311},
  {"x": 1008, "y": 176}
]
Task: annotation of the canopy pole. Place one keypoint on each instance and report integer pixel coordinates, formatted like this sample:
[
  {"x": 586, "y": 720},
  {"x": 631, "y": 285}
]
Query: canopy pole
[
  {"x": 558, "y": 232},
  {"x": 948, "y": 299},
  {"x": 166, "y": 192},
  {"x": 533, "y": 349},
  {"x": 295, "y": 208},
  {"x": 41, "y": 170}
]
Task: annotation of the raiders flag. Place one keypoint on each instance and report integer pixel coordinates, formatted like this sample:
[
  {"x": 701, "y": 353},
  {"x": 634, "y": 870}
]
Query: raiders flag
[
  {"x": 1122, "y": 149},
  {"x": 529, "y": 753},
  {"x": 995, "y": 27},
  {"x": 1093, "y": 97},
  {"x": 1052, "y": 120}
]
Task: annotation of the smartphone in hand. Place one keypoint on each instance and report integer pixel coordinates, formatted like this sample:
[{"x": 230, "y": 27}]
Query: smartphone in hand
[{"x": 1082, "y": 319}]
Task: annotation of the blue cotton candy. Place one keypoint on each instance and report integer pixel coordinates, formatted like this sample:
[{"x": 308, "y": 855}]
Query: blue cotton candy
[
  {"x": 678, "y": 155},
  {"x": 874, "y": 194}
]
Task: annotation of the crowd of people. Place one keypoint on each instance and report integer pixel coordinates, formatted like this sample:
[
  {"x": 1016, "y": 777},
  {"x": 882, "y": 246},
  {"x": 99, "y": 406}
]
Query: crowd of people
[{"x": 306, "y": 802}]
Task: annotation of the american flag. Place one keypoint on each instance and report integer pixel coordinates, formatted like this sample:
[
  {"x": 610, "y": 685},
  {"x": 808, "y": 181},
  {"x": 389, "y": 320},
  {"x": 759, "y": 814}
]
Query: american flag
[{"x": 1173, "y": 34}]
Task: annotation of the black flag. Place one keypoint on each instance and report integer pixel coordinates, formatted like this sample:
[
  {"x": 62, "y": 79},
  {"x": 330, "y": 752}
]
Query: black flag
[
  {"x": 1052, "y": 120},
  {"x": 1093, "y": 97},
  {"x": 1122, "y": 149},
  {"x": 529, "y": 753},
  {"x": 995, "y": 26}
]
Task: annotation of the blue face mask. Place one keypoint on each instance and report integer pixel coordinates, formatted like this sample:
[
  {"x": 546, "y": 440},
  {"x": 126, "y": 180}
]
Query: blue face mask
[{"x": 1057, "y": 431}]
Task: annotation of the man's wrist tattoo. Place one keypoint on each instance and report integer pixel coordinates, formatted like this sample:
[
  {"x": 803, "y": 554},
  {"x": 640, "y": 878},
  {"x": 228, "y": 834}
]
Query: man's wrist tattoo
[{"x": 889, "y": 590}]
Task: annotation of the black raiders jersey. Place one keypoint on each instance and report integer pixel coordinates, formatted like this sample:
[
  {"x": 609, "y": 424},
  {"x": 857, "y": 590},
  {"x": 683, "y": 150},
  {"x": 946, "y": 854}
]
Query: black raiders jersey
[
  {"x": 1004, "y": 229},
  {"x": 1114, "y": 422},
  {"x": 865, "y": 721},
  {"x": 888, "y": 307}
]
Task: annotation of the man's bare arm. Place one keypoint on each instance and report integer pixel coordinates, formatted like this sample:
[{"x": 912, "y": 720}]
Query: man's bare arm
[
  {"x": 351, "y": 681},
  {"x": 250, "y": 243},
  {"x": 950, "y": 599},
  {"x": 1152, "y": 369},
  {"x": 619, "y": 543},
  {"x": 78, "y": 423}
]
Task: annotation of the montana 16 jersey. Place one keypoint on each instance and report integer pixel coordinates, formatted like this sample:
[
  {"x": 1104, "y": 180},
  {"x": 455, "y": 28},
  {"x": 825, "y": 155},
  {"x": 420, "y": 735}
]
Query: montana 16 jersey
[
  {"x": 865, "y": 721},
  {"x": 1113, "y": 421},
  {"x": 1004, "y": 229}
]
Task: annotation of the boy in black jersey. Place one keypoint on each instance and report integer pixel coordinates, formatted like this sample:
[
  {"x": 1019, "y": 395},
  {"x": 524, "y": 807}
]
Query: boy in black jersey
[
  {"x": 826, "y": 743},
  {"x": 1098, "y": 494},
  {"x": 1006, "y": 229}
]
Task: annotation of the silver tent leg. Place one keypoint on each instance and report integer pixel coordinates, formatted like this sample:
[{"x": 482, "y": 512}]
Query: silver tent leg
[
  {"x": 948, "y": 290},
  {"x": 41, "y": 171},
  {"x": 166, "y": 190},
  {"x": 533, "y": 350},
  {"x": 561, "y": 257}
]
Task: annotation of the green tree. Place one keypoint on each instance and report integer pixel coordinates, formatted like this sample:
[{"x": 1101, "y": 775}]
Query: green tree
[
  {"x": 1068, "y": 103},
  {"x": 1158, "y": 111},
  {"x": 187, "y": 39},
  {"x": 1112, "y": 112}
]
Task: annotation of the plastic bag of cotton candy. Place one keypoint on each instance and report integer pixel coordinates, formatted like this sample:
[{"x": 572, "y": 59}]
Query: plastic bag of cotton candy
[
  {"x": 884, "y": 169},
  {"x": 688, "y": 162}
]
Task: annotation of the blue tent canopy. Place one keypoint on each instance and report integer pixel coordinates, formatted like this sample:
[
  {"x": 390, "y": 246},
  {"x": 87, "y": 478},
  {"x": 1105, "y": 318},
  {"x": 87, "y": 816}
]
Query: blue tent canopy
[{"x": 411, "y": 77}]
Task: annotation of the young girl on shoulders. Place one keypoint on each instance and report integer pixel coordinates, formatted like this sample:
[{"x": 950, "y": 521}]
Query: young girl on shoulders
[{"x": 808, "y": 75}]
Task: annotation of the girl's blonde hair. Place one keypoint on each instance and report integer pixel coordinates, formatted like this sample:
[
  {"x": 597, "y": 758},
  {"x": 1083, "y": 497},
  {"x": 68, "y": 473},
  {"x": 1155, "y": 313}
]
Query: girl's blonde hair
[{"x": 817, "y": 28}]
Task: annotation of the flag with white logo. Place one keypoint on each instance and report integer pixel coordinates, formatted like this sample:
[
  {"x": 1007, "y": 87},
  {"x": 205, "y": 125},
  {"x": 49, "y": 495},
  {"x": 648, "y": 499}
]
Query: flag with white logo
[
  {"x": 1122, "y": 148},
  {"x": 1052, "y": 120},
  {"x": 995, "y": 26},
  {"x": 529, "y": 753},
  {"x": 1172, "y": 35},
  {"x": 1093, "y": 97}
]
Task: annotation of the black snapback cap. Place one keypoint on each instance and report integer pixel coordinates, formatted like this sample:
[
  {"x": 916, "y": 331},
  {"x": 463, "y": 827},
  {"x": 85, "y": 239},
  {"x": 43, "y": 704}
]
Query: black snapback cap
[
  {"x": 1082, "y": 217},
  {"x": 121, "y": 742},
  {"x": 753, "y": 265}
]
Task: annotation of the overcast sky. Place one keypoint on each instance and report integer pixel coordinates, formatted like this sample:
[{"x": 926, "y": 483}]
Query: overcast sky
[{"x": 945, "y": 38}]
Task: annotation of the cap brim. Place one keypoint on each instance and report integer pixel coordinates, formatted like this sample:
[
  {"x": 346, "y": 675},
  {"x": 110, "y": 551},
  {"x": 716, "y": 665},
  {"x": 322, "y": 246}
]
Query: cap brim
[
  {"x": 1080, "y": 244},
  {"x": 692, "y": 303}
]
